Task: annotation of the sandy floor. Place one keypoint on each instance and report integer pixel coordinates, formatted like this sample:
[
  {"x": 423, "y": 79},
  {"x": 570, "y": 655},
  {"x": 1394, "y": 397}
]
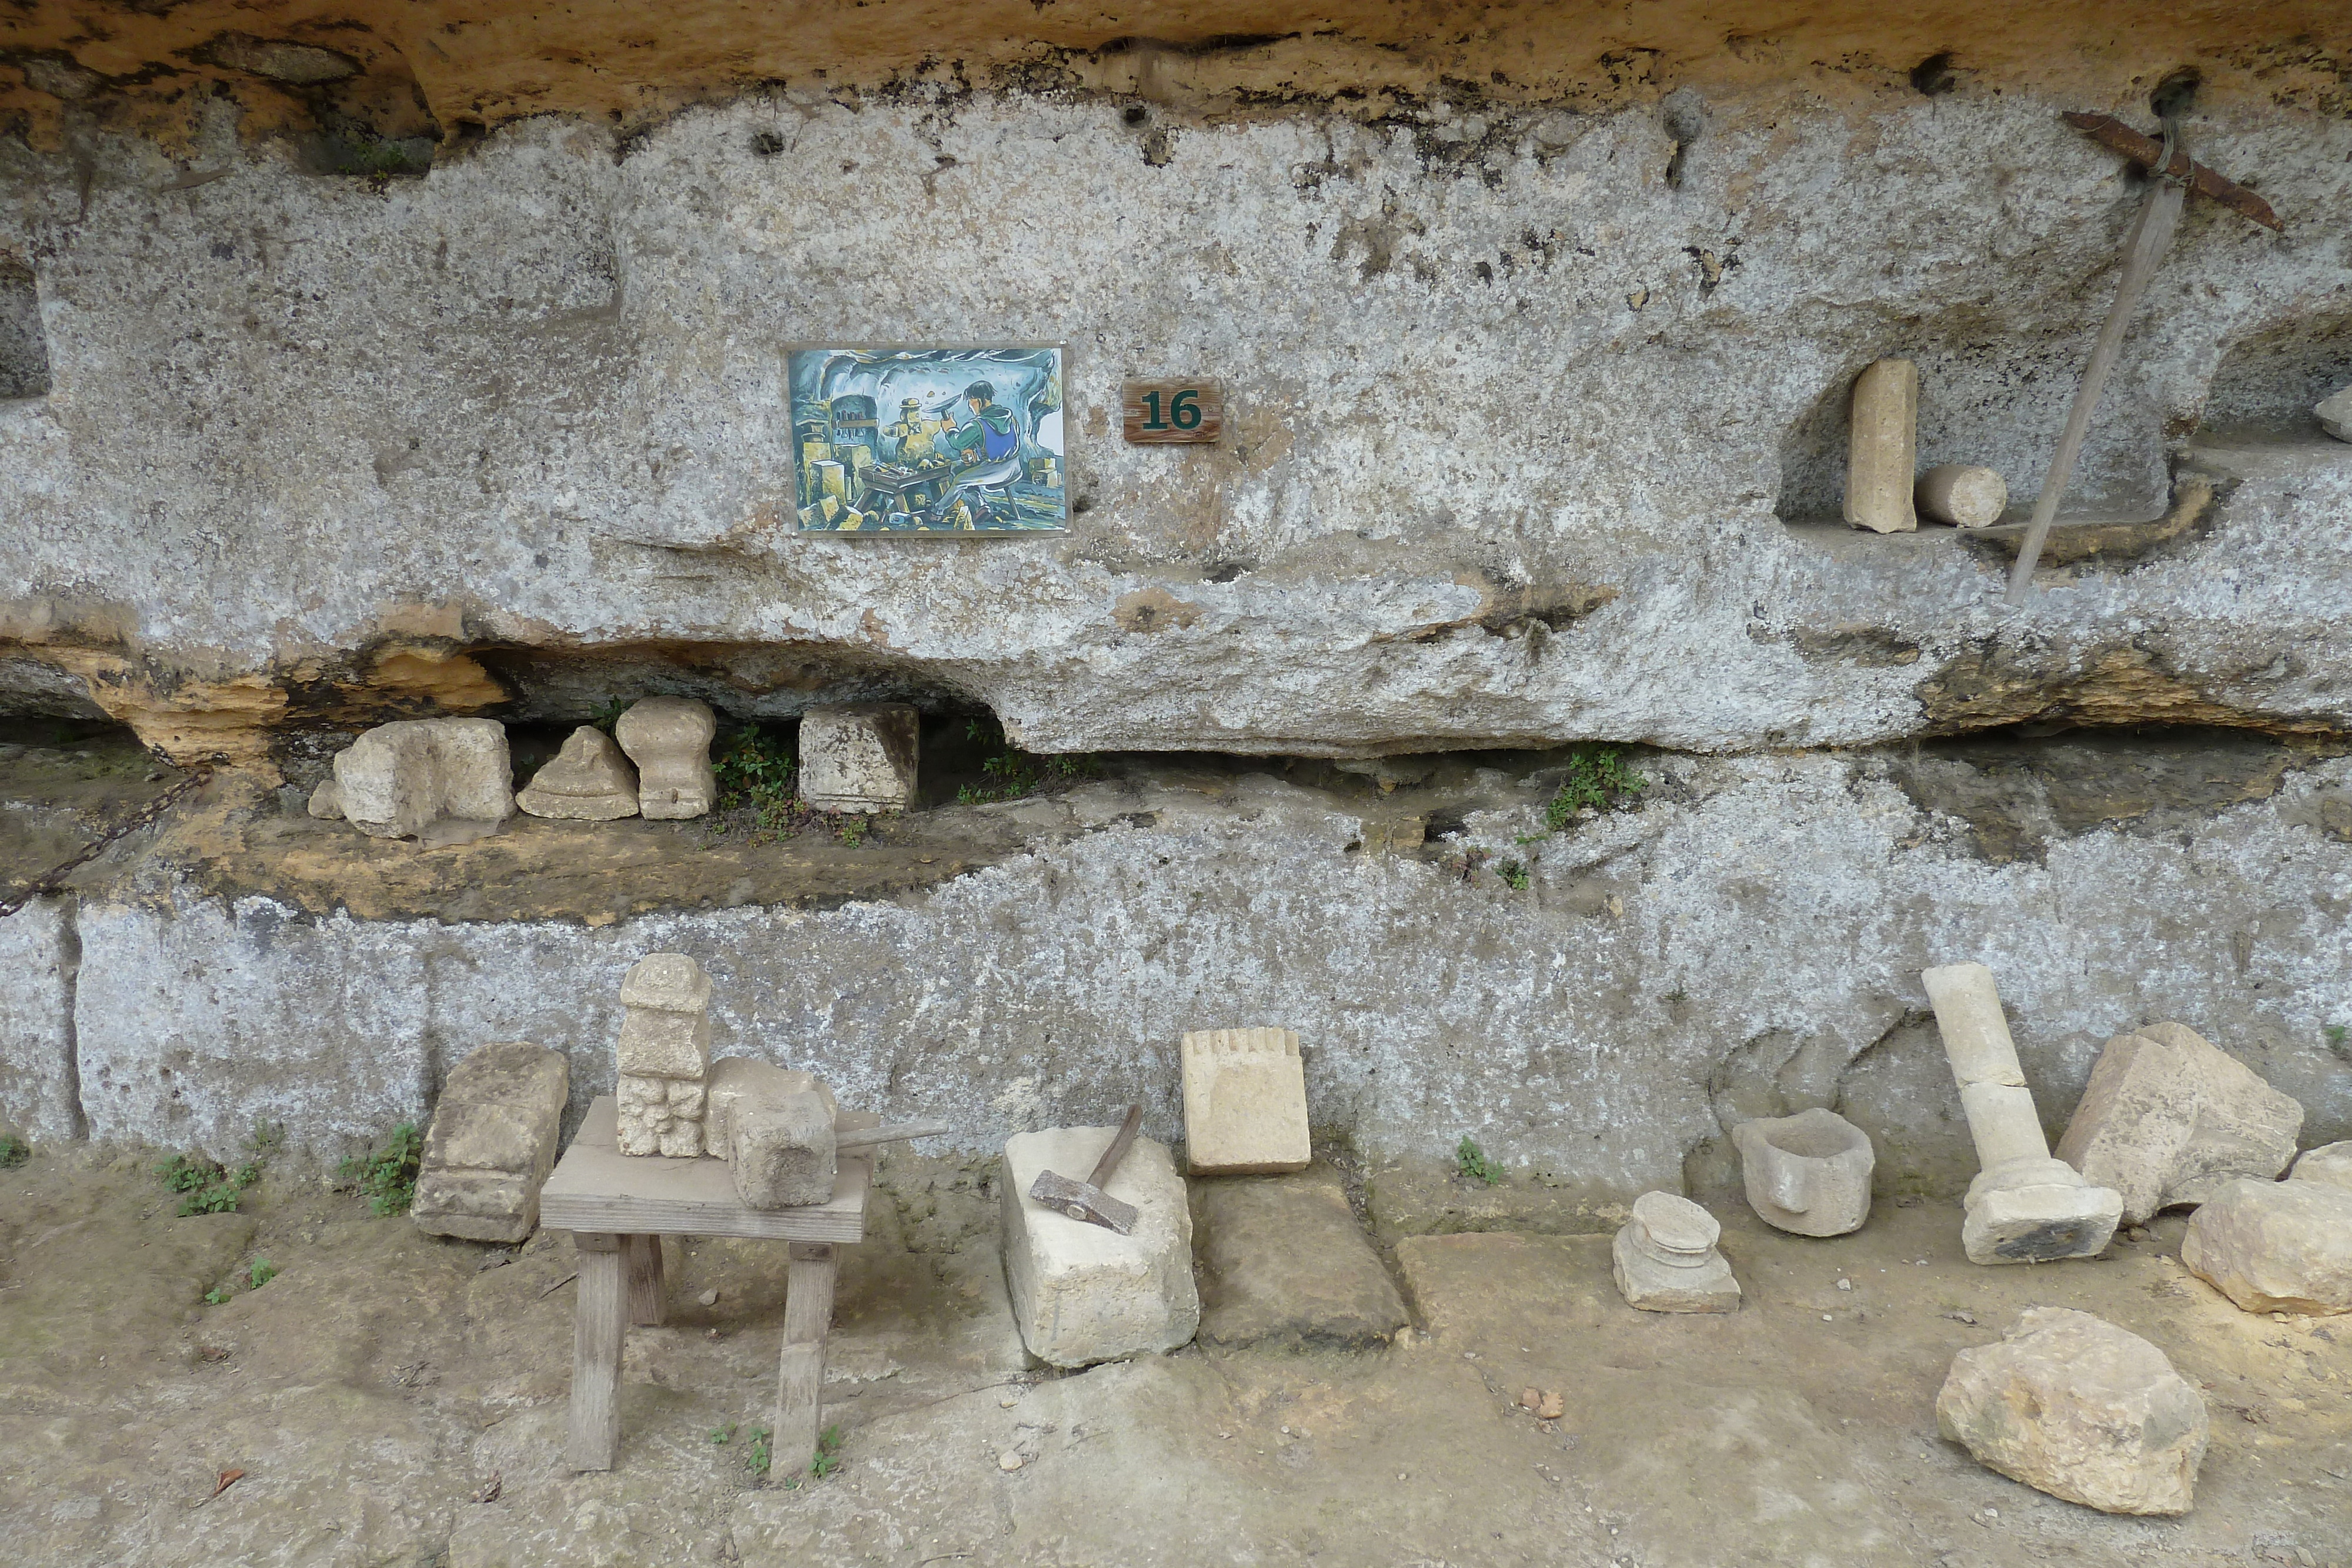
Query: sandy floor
[{"x": 390, "y": 1398}]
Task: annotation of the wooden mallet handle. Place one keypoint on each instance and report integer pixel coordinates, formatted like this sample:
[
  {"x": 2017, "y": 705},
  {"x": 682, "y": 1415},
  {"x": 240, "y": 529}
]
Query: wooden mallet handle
[{"x": 1118, "y": 1148}]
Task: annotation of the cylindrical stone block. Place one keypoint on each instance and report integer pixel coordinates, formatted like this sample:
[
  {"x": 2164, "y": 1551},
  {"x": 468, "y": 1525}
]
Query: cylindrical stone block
[
  {"x": 1967, "y": 1015},
  {"x": 2000, "y": 1107},
  {"x": 1962, "y": 495},
  {"x": 1881, "y": 448},
  {"x": 2002, "y": 1120}
]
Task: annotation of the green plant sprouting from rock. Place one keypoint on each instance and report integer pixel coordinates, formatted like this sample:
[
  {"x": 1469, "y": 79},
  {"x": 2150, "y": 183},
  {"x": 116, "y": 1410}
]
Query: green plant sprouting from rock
[
  {"x": 14, "y": 1151},
  {"x": 1474, "y": 1165},
  {"x": 207, "y": 1187},
  {"x": 1008, "y": 773},
  {"x": 1598, "y": 778},
  {"x": 755, "y": 771},
  {"x": 387, "y": 1179},
  {"x": 1514, "y": 875},
  {"x": 261, "y": 1273}
]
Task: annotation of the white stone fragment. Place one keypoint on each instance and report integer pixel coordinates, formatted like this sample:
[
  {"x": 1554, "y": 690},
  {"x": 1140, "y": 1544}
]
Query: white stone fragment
[
  {"x": 491, "y": 1143},
  {"x": 2080, "y": 1409},
  {"x": 1664, "y": 1258},
  {"x": 2168, "y": 1119},
  {"x": 2329, "y": 1164},
  {"x": 1961, "y": 494},
  {"x": 2023, "y": 1207},
  {"x": 1881, "y": 448},
  {"x": 2334, "y": 413},
  {"x": 1081, "y": 1293},
  {"x": 397, "y": 780},
  {"x": 1808, "y": 1172},
  {"x": 588, "y": 782},
  {"x": 1245, "y": 1101},
  {"x": 670, "y": 740},
  {"x": 327, "y": 801},
  {"x": 859, "y": 757},
  {"x": 2275, "y": 1245}
]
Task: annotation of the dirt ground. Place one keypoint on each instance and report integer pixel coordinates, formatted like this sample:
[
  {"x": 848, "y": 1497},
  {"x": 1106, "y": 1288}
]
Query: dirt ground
[{"x": 390, "y": 1398}]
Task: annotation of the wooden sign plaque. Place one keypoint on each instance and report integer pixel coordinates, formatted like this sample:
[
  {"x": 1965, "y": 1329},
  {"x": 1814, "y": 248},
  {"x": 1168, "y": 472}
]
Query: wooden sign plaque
[{"x": 1157, "y": 411}]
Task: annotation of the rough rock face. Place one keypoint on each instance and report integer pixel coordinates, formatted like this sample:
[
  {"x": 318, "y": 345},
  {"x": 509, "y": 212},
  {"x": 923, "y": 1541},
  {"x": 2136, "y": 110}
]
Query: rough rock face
[
  {"x": 2275, "y": 1245},
  {"x": 2330, "y": 1164},
  {"x": 579, "y": 496},
  {"x": 2080, "y": 1409},
  {"x": 1746, "y": 944},
  {"x": 2166, "y": 1119}
]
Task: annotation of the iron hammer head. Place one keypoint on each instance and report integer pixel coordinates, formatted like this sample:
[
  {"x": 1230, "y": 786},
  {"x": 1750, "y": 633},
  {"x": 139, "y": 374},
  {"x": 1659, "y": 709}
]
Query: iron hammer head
[{"x": 1083, "y": 1200}]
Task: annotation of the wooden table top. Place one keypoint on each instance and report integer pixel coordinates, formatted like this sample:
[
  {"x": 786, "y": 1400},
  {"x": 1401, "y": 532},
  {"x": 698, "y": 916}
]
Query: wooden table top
[{"x": 597, "y": 1188}]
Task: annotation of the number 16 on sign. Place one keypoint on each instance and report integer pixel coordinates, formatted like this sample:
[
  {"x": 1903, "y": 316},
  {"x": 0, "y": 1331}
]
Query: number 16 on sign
[{"x": 1159, "y": 412}]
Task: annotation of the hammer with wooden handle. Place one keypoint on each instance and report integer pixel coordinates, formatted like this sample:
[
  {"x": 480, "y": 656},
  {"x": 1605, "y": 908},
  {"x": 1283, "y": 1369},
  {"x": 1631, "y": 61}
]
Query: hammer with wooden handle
[{"x": 1086, "y": 1199}]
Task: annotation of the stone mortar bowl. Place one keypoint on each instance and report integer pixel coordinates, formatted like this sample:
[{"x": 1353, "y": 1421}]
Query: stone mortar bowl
[{"x": 1808, "y": 1172}]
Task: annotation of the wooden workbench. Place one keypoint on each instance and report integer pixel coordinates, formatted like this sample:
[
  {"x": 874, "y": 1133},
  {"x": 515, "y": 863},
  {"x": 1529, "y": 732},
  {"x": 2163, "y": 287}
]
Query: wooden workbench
[{"x": 618, "y": 1207}]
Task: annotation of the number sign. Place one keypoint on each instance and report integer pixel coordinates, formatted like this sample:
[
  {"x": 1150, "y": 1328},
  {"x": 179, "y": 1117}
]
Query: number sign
[{"x": 1172, "y": 411}]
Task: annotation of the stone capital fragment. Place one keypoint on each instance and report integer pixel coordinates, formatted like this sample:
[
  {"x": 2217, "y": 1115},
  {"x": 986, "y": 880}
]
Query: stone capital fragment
[
  {"x": 735, "y": 1078},
  {"x": 2080, "y": 1409},
  {"x": 491, "y": 1143},
  {"x": 2275, "y": 1245},
  {"x": 589, "y": 781},
  {"x": 1245, "y": 1101},
  {"x": 2023, "y": 1207},
  {"x": 670, "y": 740},
  {"x": 1664, "y": 1258},
  {"x": 397, "y": 780},
  {"x": 2168, "y": 1119},
  {"x": 1808, "y": 1174},
  {"x": 663, "y": 1056},
  {"x": 859, "y": 757},
  {"x": 672, "y": 982}
]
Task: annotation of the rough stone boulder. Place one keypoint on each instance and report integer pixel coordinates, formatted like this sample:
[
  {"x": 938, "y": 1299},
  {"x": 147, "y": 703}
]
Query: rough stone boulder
[
  {"x": 1083, "y": 1293},
  {"x": 398, "y": 780},
  {"x": 491, "y": 1143},
  {"x": 2275, "y": 1245},
  {"x": 2335, "y": 413},
  {"x": 2080, "y": 1409},
  {"x": 2168, "y": 1119},
  {"x": 589, "y": 781},
  {"x": 2330, "y": 1164},
  {"x": 1283, "y": 1261}
]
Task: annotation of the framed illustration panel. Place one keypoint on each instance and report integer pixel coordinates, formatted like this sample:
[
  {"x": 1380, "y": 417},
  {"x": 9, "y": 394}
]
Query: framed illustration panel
[{"x": 939, "y": 441}]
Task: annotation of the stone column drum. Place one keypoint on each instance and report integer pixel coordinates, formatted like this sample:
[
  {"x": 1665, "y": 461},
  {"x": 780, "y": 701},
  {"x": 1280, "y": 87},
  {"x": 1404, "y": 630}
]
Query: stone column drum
[
  {"x": 1808, "y": 1172},
  {"x": 2023, "y": 1205},
  {"x": 1881, "y": 448}
]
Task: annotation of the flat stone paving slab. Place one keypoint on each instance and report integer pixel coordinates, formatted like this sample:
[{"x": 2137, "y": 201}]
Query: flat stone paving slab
[{"x": 1281, "y": 1260}]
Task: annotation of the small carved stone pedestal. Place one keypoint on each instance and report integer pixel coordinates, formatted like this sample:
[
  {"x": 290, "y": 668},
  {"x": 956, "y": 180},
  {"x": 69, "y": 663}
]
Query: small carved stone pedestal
[
  {"x": 2023, "y": 1207},
  {"x": 1664, "y": 1258}
]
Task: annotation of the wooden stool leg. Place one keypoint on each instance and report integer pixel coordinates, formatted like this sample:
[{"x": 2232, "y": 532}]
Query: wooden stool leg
[
  {"x": 596, "y": 1327},
  {"x": 800, "y": 1381},
  {"x": 648, "y": 1293}
]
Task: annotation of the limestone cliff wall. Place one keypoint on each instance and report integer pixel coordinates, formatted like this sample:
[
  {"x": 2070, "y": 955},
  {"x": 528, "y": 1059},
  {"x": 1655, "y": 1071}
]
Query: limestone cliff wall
[
  {"x": 1523, "y": 402},
  {"x": 1747, "y": 942}
]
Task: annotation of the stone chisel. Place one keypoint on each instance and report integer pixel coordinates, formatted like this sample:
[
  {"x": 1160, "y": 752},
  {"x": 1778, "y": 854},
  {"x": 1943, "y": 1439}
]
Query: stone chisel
[
  {"x": 888, "y": 1133},
  {"x": 1086, "y": 1199}
]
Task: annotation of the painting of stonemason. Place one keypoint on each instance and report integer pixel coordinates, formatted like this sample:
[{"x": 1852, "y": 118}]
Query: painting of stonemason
[{"x": 929, "y": 441}]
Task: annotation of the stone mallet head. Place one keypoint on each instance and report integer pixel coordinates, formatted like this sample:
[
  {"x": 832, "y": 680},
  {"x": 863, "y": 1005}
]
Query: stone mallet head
[{"x": 1086, "y": 1199}]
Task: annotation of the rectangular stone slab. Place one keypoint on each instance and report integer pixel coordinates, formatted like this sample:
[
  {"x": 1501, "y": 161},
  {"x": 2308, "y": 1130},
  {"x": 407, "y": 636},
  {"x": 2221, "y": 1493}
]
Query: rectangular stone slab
[{"x": 597, "y": 1188}]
